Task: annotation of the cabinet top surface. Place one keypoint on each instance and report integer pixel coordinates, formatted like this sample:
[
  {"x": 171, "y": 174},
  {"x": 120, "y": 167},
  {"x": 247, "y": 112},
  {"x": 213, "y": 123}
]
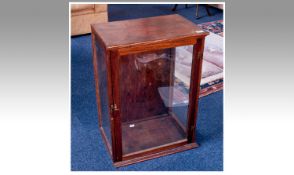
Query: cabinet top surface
[{"x": 152, "y": 29}]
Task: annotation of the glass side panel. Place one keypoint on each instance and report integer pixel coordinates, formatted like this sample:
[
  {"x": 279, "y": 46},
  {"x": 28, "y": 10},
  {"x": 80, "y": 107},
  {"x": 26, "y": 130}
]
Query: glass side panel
[
  {"x": 154, "y": 94},
  {"x": 103, "y": 92}
]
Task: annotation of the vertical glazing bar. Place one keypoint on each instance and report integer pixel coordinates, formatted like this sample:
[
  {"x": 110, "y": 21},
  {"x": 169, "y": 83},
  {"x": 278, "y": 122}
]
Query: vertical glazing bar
[
  {"x": 195, "y": 88},
  {"x": 115, "y": 108}
]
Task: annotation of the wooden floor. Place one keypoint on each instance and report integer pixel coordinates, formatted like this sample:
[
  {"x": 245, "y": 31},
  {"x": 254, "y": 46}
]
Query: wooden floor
[{"x": 150, "y": 133}]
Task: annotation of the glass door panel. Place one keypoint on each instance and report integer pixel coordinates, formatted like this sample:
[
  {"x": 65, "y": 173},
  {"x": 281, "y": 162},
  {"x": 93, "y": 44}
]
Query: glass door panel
[{"x": 154, "y": 95}]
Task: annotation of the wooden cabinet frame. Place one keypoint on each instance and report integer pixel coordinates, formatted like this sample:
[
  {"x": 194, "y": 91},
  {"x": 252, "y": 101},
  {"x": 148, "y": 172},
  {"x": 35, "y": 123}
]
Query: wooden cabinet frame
[{"x": 112, "y": 55}]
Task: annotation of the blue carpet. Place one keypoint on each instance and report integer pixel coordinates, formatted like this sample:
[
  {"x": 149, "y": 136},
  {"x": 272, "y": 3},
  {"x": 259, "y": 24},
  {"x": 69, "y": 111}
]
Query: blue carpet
[{"x": 88, "y": 152}]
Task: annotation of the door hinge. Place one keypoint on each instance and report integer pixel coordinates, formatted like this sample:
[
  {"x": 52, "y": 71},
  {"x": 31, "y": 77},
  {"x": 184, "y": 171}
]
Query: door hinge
[{"x": 113, "y": 107}]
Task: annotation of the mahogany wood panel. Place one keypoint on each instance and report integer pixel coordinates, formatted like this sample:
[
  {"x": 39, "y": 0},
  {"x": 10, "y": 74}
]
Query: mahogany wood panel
[
  {"x": 125, "y": 33},
  {"x": 116, "y": 106}
]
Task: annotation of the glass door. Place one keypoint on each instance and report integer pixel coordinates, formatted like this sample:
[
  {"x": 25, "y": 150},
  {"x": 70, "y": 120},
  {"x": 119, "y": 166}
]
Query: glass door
[{"x": 154, "y": 96}]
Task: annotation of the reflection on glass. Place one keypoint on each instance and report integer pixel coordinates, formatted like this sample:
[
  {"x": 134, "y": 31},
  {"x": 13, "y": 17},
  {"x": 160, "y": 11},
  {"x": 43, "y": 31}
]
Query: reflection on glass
[
  {"x": 103, "y": 93},
  {"x": 154, "y": 97}
]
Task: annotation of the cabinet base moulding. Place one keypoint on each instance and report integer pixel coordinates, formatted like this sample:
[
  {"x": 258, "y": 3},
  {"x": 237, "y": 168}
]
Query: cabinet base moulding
[{"x": 156, "y": 155}]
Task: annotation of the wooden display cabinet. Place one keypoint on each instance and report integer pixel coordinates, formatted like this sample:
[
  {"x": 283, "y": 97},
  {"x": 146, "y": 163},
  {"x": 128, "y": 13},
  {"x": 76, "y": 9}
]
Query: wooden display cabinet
[{"x": 145, "y": 111}]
